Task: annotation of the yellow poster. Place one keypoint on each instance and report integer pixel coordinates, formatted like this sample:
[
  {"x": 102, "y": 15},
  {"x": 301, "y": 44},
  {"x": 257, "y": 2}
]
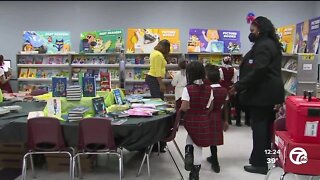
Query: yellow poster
[
  {"x": 144, "y": 40},
  {"x": 286, "y": 35}
]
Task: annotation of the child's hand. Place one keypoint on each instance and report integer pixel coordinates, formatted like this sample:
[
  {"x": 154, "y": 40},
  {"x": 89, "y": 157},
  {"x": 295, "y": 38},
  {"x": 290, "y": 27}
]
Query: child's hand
[{"x": 225, "y": 126}]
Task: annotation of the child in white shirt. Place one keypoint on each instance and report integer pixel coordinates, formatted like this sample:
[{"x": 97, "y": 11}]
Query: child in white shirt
[{"x": 179, "y": 81}]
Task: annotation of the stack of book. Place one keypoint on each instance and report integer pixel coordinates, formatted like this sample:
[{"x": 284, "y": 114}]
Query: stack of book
[
  {"x": 77, "y": 113},
  {"x": 74, "y": 93}
]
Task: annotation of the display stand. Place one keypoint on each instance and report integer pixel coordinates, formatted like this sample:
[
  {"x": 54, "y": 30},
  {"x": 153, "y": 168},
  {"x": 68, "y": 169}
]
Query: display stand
[
  {"x": 214, "y": 58},
  {"x": 136, "y": 68},
  {"x": 94, "y": 63},
  {"x": 36, "y": 70},
  {"x": 299, "y": 73}
]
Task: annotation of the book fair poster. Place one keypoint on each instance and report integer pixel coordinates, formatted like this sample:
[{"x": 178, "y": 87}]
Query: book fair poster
[
  {"x": 105, "y": 41},
  {"x": 213, "y": 40},
  {"x": 46, "y": 42},
  {"x": 314, "y": 35},
  {"x": 144, "y": 40},
  {"x": 286, "y": 37},
  {"x": 301, "y": 37}
]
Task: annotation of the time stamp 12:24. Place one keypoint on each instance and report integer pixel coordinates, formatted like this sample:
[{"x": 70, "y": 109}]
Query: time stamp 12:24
[{"x": 272, "y": 155}]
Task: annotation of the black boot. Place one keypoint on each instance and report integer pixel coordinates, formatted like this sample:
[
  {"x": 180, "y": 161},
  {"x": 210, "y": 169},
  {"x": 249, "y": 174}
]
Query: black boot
[
  {"x": 188, "y": 161},
  {"x": 215, "y": 166},
  {"x": 194, "y": 174}
]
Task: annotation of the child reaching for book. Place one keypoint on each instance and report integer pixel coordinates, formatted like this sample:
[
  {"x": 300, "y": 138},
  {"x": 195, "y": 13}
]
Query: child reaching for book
[
  {"x": 202, "y": 115},
  {"x": 179, "y": 81}
]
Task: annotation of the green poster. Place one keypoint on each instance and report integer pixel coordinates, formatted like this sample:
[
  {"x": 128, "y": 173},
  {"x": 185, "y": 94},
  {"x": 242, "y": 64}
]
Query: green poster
[{"x": 105, "y": 41}]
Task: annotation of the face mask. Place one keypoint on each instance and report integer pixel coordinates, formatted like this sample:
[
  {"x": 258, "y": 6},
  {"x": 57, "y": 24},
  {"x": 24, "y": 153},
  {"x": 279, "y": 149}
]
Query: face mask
[{"x": 252, "y": 37}]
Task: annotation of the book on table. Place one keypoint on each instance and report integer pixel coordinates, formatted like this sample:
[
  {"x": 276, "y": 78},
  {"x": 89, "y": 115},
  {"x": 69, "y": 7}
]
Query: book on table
[
  {"x": 54, "y": 107},
  {"x": 59, "y": 87},
  {"x": 99, "y": 106},
  {"x": 35, "y": 114},
  {"x": 89, "y": 86}
]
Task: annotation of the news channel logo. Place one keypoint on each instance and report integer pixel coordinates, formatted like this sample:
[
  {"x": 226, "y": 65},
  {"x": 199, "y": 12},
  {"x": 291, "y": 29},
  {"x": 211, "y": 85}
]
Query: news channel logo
[{"x": 298, "y": 156}]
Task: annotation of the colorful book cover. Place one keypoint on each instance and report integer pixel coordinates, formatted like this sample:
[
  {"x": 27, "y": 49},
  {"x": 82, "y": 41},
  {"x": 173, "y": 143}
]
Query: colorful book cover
[
  {"x": 89, "y": 87},
  {"x": 54, "y": 107},
  {"x": 29, "y": 60},
  {"x": 115, "y": 74},
  {"x": 117, "y": 96},
  {"x": 38, "y": 60},
  {"x": 138, "y": 89},
  {"x": 231, "y": 40},
  {"x": 59, "y": 87},
  {"x": 129, "y": 74},
  {"x": 32, "y": 73},
  {"x": 144, "y": 73},
  {"x": 301, "y": 38},
  {"x": 137, "y": 74},
  {"x": 314, "y": 35},
  {"x": 145, "y": 89},
  {"x": 217, "y": 46},
  {"x": 99, "y": 106},
  {"x": 286, "y": 37},
  {"x": 23, "y": 73},
  {"x": 49, "y": 42},
  {"x": 105, "y": 81},
  {"x": 144, "y": 40},
  {"x": 102, "y": 41},
  {"x": 39, "y": 73}
]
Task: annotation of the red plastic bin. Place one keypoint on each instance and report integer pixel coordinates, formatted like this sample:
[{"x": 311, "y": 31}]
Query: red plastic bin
[
  {"x": 297, "y": 158},
  {"x": 303, "y": 119}
]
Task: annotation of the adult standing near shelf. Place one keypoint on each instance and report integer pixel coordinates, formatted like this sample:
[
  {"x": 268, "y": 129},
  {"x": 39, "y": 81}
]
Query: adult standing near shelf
[
  {"x": 260, "y": 88},
  {"x": 4, "y": 78},
  {"x": 157, "y": 71}
]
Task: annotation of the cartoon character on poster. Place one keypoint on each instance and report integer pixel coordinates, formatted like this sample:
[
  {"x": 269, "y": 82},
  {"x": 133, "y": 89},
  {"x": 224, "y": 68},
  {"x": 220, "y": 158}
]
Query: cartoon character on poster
[
  {"x": 202, "y": 38},
  {"x": 302, "y": 32},
  {"x": 210, "y": 36},
  {"x": 46, "y": 42},
  {"x": 146, "y": 40},
  {"x": 313, "y": 37},
  {"x": 193, "y": 44}
]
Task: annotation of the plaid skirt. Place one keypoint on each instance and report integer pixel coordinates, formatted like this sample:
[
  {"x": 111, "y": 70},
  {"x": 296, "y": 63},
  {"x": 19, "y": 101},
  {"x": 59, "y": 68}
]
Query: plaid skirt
[{"x": 154, "y": 87}]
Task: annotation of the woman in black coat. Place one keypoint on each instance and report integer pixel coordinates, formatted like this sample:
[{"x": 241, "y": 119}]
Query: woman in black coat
[{"x": 260, "y": 88}]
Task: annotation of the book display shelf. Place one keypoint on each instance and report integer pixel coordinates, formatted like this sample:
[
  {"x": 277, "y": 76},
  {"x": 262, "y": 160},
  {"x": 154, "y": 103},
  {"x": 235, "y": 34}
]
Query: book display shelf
[
  {"x": 299, "y": 73},
  {"x": 136, "y": 68}
]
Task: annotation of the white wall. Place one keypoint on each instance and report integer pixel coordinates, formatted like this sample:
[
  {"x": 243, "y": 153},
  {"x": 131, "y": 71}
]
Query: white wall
[
  {"x": 77, "y": 17},
  {"x": 317, "y": 9}
]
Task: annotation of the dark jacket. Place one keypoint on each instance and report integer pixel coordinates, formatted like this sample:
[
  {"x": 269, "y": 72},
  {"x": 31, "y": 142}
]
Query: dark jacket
[{"x": 260, "y": 81}]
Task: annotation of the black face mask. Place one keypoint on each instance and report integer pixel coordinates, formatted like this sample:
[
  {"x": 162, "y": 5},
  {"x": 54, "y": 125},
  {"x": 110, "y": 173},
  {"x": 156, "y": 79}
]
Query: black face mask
[{"x": 252, "y": 37}]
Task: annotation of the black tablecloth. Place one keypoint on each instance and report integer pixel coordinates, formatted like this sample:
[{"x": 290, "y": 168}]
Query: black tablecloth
[{"x": 135, "y": 134}]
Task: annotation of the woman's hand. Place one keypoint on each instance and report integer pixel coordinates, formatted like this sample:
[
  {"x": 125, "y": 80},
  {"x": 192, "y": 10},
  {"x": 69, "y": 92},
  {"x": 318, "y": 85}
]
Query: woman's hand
[
  {"x": 232, "y": 91},
  {"x": 162, "y": 87},
  {"x": 277, "y": 107},
  {"x": 225, "y": 126}
]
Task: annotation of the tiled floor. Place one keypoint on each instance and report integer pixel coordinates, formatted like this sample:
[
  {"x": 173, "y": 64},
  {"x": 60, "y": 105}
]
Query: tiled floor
[{"x": 233, "y": 155}]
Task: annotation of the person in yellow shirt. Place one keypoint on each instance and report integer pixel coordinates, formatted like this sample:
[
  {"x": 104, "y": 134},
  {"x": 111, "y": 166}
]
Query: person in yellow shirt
[{"x": 157, "y": 71}]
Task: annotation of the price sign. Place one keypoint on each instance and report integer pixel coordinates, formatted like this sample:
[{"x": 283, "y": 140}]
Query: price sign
[{"x": 308, "y": 56}]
